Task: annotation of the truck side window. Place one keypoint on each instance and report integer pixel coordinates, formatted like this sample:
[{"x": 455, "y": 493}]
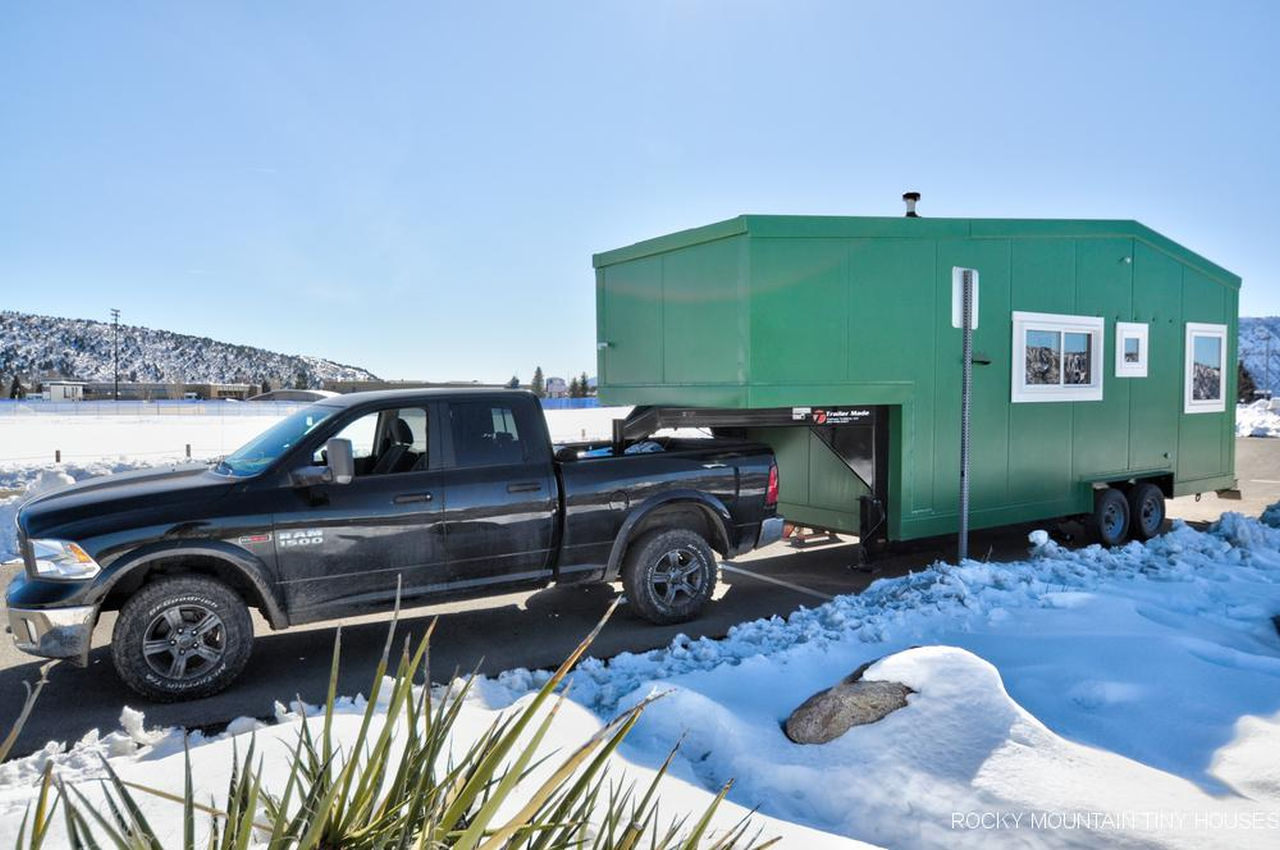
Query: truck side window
[
  {"x": 485, "y": 433},
  {"x": 387, "y": 441}
]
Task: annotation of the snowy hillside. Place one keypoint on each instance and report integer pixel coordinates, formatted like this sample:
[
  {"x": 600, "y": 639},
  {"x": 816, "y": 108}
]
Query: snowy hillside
[
  {"x": 81, "y": 349},
  {"x": 1255, "y": 333}
]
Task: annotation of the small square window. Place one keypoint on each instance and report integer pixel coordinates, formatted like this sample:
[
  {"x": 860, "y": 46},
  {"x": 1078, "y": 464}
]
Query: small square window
[
  {"x": 1056, "y": 358},
  {"x": 1131, "y": 350},
  {"x": 1206, "y": 369}
]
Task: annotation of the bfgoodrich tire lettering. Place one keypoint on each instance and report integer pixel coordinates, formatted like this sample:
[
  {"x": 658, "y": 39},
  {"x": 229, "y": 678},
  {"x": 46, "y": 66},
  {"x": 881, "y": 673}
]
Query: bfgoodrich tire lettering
[
  {"x": 173, "y": 619},
  {"x": 669, "y": 576}
]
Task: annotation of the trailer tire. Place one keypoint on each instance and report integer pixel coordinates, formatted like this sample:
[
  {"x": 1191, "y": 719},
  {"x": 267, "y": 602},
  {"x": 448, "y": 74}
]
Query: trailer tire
[
  {"x": 1146, "y": 511},
  {"x": 669, "y": 575},
  {"x": 1110, "y": 516},
  {"x": 200, "y": 619}
]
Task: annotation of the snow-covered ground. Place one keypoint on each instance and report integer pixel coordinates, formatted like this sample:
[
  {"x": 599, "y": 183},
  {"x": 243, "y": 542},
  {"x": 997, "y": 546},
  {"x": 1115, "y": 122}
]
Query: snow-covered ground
[
  {"x": 1073, "y": 699},
  {"x": 1257, "y": 420}
]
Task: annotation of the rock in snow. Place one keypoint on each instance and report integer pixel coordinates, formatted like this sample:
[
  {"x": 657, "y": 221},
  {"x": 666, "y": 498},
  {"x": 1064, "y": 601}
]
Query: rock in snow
[{"x": 854, "y": 701}]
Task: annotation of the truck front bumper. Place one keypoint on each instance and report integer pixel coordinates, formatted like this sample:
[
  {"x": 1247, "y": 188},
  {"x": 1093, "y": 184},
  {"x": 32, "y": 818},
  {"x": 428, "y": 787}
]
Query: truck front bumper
[
  {"x": 54, "y": 632},
  {"x": 770, "y": 531}
]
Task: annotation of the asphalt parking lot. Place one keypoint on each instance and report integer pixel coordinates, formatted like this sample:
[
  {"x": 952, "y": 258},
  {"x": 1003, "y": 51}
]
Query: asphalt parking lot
[{"x": 521, "y": 630}]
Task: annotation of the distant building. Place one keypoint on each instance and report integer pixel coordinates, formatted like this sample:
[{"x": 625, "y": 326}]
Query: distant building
[
  {"x": 293, "y": 395},
  {"x": 158, "y": 391},
  {"x": 557, "y": 388},
  {"x": 62, "y": 391},
  {"x": 367, "y": 386}
]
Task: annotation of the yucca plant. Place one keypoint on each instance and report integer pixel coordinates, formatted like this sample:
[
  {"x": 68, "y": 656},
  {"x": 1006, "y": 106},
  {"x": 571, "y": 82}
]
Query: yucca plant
[{"x": 402, "y": 786}]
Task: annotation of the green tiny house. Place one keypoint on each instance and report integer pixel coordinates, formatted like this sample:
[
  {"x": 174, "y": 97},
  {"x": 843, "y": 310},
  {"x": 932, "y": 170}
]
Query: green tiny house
[{"x": 1101, "y": 358}]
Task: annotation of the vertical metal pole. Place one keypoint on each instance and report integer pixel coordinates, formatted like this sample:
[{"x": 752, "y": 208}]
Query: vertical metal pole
[
  {"x": 966, "y": 393},
  {"x": 115, "y": 348}
]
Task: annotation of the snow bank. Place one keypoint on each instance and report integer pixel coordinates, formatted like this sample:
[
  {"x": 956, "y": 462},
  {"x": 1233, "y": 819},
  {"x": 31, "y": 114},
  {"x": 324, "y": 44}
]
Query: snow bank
[{"x": 1257, "y": 420}]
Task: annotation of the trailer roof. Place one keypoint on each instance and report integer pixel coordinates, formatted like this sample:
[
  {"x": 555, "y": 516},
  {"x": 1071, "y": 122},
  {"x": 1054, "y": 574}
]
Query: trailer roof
[{"x": 900, "y": 227}]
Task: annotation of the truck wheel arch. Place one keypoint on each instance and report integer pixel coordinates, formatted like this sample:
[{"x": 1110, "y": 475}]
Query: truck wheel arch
[
  {"x": 239, "y": 570},
  {"x": 690, "y": 509}
]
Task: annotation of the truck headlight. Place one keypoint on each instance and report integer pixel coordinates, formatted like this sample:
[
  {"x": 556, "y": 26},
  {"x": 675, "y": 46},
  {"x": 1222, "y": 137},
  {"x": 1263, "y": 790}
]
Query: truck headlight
[{"x": 62, "y": 560}]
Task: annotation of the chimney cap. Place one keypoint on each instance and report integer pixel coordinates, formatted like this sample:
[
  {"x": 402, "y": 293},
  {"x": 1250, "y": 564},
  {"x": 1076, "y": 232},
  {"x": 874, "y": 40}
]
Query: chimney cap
[{"x": 910, "y": 196}]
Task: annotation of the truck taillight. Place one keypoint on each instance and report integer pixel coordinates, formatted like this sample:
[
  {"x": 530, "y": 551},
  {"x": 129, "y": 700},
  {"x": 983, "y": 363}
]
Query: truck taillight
[{"x": 771, "y": 494}]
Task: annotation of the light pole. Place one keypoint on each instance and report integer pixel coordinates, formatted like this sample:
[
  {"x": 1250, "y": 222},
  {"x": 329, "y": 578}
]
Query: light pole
[{"x": 115, "y": 349}]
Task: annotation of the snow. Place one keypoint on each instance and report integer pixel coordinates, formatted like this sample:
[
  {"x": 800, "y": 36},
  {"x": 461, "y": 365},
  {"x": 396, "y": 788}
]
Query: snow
[
  {"x": 1257, "y": 420},
  {"x": 1074, "y": 698}
]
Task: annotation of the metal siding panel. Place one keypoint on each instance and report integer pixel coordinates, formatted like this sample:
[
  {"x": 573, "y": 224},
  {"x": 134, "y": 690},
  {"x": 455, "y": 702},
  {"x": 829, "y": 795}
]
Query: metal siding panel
[
  {"x": 1201, "y": 453},
  {"x": 701, "y": 303},
  {"x": 799, "y": 311},
  {"x": 1155, "y": 402},
  {"x": 1104, "y": 287},
  {"x": 989, "y": 465},
  {"x": 633, "y": 322}
]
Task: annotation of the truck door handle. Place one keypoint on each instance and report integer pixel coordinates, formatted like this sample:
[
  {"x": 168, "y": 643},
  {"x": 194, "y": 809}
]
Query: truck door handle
[
  {"x": 406, "y": 498},
  {"x": 527, "y": 487}
]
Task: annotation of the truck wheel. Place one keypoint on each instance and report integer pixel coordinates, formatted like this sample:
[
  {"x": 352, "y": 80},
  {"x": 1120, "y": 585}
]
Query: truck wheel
[
  {"x": 1111, "y": 516},
  {"x": 1146, "y": 511},
  {"x": 669, "y": 576},
  {"x": 181, "y": 638}
]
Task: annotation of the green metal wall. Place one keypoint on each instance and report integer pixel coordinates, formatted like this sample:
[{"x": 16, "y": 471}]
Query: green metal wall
[{"x": 782, "y": 311}]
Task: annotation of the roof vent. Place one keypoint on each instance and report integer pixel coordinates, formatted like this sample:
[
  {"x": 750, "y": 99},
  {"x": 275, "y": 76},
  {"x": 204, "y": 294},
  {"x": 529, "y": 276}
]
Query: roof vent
[{"x": 910, "y": 198}]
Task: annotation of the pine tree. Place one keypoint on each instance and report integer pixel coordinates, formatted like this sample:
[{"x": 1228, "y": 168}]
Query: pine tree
[
  {"x": 1245, "y": 385},
  {"x": 574, "y": 390},
  {"x": 585, "y": 383},
  {"x": 16, "y": 389},
  {"x": 538, "y": 384},
  {"x": 300, "y": 380}
]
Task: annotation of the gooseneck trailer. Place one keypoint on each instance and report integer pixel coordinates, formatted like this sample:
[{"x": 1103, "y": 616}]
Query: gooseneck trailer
[{"x": 1103, "y": 359}]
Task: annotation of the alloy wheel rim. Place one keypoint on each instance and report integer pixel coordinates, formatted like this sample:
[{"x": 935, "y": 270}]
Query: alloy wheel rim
[
  {"x": 184, "y": 642},
  {"x": 677, "y": 573}
]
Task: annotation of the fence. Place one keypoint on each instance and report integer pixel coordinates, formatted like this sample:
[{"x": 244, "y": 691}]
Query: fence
[
  {"x": 178, "y": 407},
  {"x": 569, "y": 403}
]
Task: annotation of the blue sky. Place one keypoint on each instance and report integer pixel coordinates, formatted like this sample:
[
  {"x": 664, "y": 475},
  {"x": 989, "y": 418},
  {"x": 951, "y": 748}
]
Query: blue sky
[{"x": 418, "y": 188}]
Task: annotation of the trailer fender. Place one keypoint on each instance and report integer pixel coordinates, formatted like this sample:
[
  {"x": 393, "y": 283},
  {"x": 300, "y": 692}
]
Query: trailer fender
[{"x": 715, "y": 515}]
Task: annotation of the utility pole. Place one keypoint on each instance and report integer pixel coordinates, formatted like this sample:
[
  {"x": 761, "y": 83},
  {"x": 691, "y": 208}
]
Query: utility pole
[{"x": 115, "y": 348}]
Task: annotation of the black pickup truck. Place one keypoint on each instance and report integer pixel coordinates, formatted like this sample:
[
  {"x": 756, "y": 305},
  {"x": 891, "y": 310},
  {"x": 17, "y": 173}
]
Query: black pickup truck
[{"x": 348, "y": 502}]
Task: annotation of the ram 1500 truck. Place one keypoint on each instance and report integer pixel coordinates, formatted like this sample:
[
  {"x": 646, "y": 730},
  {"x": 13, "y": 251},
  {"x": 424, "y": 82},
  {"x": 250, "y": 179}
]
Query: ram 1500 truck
[{"x": 355, "y": 500}]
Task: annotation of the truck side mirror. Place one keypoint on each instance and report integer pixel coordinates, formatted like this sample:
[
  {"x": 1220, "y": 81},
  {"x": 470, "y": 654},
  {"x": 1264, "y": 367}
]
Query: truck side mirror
[{"x": 342, "y": 464}]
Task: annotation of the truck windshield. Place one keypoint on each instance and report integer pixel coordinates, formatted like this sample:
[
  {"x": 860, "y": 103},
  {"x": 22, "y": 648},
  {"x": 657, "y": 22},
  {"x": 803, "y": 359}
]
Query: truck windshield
[{"x": 260, "y": 452}]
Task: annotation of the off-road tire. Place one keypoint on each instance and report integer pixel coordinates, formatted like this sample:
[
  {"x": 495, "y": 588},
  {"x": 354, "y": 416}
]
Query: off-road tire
[
  {"x": 1146, "y": 511},
  {"x": 1110, "y": 517},
  {"x": 219, "y": 653},
  {"x": 681, "y": 554}
]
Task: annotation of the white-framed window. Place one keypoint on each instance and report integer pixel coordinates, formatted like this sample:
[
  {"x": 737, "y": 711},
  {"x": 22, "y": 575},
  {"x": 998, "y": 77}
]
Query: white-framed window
[
  {"x": 1131, "y": 350},
  {"x": 1056, "y": 357},
  {"x": 1206, "y": 378}
]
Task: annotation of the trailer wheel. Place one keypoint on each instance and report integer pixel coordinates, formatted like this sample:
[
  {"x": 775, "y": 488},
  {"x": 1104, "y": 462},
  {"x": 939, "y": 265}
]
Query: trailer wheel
[
  {"x": 669, "y": 575},
  {"x": 181, "y": 638},
  {"x": 1146, "y": 511},
  {"x": 1111, "y": 516}
]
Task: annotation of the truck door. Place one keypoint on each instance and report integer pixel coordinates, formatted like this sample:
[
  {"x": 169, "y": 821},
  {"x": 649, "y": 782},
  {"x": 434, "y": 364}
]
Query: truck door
[
  {"x": 344, "y": 545},
  {"x": 500, "y": 496}
]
